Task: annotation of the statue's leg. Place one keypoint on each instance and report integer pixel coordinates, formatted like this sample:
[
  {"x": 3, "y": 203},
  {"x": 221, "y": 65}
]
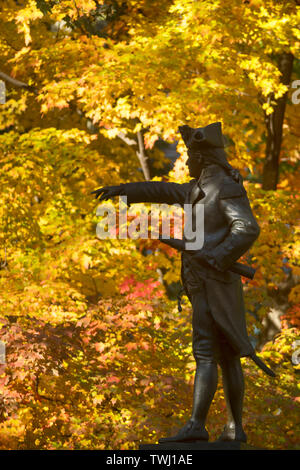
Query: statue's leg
[
  {"x": 206, "y": 376},
  {"x": 233, "y": 385}
]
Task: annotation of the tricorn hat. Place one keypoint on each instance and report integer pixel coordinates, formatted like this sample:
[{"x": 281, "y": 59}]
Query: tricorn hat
[{"x": 203, "y": 137}]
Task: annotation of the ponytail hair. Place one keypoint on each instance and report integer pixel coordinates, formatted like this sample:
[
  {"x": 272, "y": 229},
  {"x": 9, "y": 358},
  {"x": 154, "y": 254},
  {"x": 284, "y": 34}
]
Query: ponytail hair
[
  {"x": 235, "y": 174},
  {"x": 219, "y": 157}
]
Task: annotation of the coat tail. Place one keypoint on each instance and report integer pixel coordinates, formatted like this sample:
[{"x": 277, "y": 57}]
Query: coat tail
[{"x": 262, "y": 365}]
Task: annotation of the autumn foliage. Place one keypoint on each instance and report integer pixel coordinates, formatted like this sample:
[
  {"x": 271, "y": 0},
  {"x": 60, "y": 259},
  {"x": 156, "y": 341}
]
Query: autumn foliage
[{"x": 97, "y": 354}]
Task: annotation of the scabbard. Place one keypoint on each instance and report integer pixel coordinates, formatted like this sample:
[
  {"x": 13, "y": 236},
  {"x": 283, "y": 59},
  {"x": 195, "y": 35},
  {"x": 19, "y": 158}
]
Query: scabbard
[
  {"x": 238, "y": 268},
  {"x": 243, "y": 270}
]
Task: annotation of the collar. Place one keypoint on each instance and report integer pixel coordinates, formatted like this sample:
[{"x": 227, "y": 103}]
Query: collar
[{"x": 209, "y": 171}]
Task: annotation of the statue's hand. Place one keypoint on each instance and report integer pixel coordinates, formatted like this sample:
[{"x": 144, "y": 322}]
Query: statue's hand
[
  {"x": 206, "y": 258},
  {"x": 107, "y": 192}
]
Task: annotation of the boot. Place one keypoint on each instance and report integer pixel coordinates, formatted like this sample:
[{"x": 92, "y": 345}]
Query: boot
[
  {"x": 190, "y": 432},
  {"x": 233, "y": 385},
  {"x": 205, "y": 384},
  {"x": 232, "y": 433}
]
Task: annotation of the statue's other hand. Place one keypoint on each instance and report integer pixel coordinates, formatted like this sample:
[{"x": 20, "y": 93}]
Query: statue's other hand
[
  {"x": 207, "y": 258},
  {"x": 107, "y": 192}
]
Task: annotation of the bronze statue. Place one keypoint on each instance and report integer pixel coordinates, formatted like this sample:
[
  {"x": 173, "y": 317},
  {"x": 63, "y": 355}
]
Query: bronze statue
[{"x": 210, "y": 275}]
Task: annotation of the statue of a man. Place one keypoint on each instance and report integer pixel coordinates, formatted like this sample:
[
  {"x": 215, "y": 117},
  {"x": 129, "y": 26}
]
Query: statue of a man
[{"x": 215, "y": 291}]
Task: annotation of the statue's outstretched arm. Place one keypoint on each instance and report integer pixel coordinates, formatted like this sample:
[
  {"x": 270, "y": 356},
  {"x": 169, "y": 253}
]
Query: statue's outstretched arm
[{"x": 146, "y": 191}]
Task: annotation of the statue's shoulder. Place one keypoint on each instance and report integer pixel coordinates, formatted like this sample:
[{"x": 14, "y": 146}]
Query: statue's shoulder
[
  {"x": 228, "y": 188},
  {"x": 190, "y": 183}
]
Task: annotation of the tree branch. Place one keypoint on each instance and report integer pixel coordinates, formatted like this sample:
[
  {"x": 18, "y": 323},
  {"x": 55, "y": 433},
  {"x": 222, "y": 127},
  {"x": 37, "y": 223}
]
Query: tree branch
[
  {"x": 126, "y": 139},
  {"x": 16, "y": 83},
  {"x": 142, "y": 156},
  {"x": 43, "y": 397},
  {"x": 140, "y": 153}
]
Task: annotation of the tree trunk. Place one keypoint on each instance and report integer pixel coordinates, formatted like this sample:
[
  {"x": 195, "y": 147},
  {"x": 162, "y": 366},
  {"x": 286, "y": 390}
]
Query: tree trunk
[
  {"x": 141, "y": 154},
  {"x": 274, "y": 124}
]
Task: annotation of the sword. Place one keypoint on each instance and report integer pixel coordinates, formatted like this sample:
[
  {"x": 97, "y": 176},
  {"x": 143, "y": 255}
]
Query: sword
[{"x": 238, "y": 268}]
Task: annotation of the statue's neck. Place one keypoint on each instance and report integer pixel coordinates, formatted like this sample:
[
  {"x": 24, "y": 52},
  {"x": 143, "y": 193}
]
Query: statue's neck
[{"x": 210, "y": 169}]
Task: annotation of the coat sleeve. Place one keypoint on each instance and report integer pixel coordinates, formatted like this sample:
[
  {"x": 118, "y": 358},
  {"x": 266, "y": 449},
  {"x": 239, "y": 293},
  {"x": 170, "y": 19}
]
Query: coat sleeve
[
  {"x": 155, "y": 191},
  {"x": 243, "y": 229}
]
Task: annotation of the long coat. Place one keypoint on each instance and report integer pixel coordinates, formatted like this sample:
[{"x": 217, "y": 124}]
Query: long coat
[{"x": 229, "y": 230}]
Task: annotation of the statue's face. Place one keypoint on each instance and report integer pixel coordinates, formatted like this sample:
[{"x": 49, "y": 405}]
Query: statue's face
[{"x": 194, "y": 165}]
